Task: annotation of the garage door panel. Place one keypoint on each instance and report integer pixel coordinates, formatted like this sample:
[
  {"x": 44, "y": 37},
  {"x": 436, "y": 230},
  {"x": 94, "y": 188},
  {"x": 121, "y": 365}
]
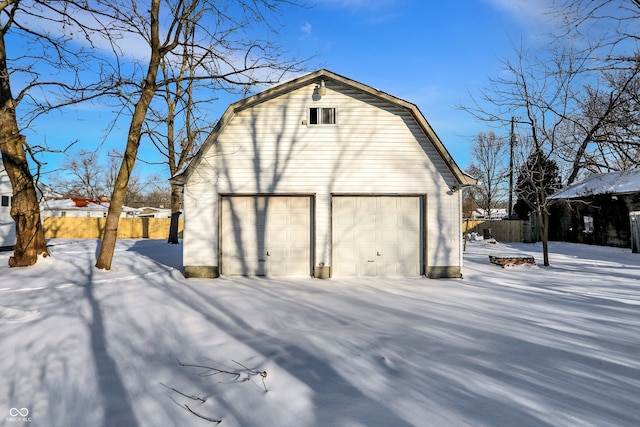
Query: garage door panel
[
  {"x": 301, "y": 237},
  {"x": 298, "y": 253},
  {"x": 365, "y": 236},
  {"x": 366, "y": 270},
  {"x": 367, "y": 204},
  {"x": 387, "y": 269},
  {"x": 260, "y": 235},
  {"x": 383, "y": 236},
  {"x": 279, "y": 238},
  {"x": 343, "y": 228},
  {"x": 278, "y": 219},
  {"x": 409, "y": 220},
  {"x": 348, "y": 254},
  {"x": 299, "y": 219},
  {"x": 299, "y": 203},
  {"x": 407, "y": 269},
  {"x": 276, "y": 260},
  {"x": 388, "y": 220},
  {"x": 408, "y": 252},
  {"x": 366, "y": 261},
  {"x": 408, "y": 204},
  {"x": 406, "y": 233},
  {"x": 367, "y": 219},
  {"x": 387, "y": 237}
]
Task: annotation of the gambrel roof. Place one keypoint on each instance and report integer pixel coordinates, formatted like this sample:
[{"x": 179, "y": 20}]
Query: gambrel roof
[{"x": 315, "y": 78}]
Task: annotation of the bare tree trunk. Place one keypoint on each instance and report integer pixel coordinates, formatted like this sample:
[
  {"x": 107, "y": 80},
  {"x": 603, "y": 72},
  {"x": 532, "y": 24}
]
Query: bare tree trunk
[
  {"x": 110, "y": 235},
  {"x": 543, "y": 217},
  {"x": 25, "y": 209},
  {"x": 175, "y": 214}
]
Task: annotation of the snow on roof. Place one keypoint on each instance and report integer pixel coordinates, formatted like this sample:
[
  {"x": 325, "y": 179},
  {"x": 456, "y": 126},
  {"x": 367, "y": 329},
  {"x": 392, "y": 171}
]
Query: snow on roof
[
  {"x": 87, "y": 205},
  {"x": 622, "y": 182},
  {"x": 65, "y": 204}
]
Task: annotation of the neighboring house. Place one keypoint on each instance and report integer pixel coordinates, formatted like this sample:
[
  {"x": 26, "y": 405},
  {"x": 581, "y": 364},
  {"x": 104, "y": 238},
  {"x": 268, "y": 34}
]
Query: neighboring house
[
  {"x": 151, "y": 212},
  {"x": 600, "y": 209},
  {"x": 7, "y": 224},
  {"x": 495, "y": 214},
  {"x": 322, "y": 176},
  {"x": 77, "y": 207}
]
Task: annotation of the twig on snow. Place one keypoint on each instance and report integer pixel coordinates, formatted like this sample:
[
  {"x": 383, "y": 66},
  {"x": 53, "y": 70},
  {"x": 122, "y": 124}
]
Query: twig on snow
[
  {"x": 213, "y": 420},
  {"x": 192, "y": 397},
  {"x": 210, "y": 371},
  {"x": 263, "y": 374}
]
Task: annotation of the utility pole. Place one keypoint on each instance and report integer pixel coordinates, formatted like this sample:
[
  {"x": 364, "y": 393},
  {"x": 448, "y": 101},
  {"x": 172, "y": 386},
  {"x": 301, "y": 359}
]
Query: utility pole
[{"x": 512, "y": 143}]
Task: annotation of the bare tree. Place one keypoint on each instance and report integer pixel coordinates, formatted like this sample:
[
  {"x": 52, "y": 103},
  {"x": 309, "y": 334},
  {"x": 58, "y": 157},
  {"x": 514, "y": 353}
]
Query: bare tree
[
  {"x": 223, "y": 50},
  {"x": 539, "y": 91},
  {"x": 609, "y": 25},
  {"x": 157, "y": 191},
  {"x": 488, "y": 151},
  {"x": 605, "y": 135},
  {"x": 45, "y": 53},
  {"x": 82, "y": 175},
  {"x": 468, "y": 203},
  {"x": 136, "y": 188},
  {"x": 577, "y": 96},
  {"x": 177, "y": 124}
]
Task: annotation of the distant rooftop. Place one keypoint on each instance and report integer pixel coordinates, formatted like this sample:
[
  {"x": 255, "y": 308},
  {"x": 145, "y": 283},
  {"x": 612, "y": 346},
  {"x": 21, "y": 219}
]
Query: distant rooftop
[{"x": 623, "y": 182}]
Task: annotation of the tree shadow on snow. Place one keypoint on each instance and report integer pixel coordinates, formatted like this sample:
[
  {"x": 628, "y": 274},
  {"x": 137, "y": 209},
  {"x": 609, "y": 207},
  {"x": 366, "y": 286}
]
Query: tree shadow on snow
[
  {"x": 61, "y": 367},
  {"x": 326, "y": 383},
  {"x": 160, "y": 251}
]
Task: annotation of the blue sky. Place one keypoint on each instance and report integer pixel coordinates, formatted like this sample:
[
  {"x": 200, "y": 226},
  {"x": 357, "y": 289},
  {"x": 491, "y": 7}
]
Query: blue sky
[{"x": 431, "y": 53}]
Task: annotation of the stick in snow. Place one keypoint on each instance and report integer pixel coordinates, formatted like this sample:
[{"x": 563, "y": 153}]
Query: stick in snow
[{"x": 213, "y": 420}]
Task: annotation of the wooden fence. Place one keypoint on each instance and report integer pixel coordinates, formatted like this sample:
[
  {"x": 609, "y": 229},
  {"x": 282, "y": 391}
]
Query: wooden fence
[
  {"x": 158, "y": 228},
  {"x": 501, "y": 230},
  {"x": 92, "y": 228}
]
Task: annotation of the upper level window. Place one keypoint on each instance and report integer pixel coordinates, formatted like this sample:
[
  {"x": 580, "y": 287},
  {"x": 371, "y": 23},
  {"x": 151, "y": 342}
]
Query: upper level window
[
  {"x": 6, "y": 200},
  {"x": 322, "y": 116}
]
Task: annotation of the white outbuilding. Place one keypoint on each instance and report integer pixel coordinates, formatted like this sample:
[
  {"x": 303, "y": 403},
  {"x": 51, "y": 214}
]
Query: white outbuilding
[
  {"x": 79, "y": 207},
  {"x": 323, "y": 176}
]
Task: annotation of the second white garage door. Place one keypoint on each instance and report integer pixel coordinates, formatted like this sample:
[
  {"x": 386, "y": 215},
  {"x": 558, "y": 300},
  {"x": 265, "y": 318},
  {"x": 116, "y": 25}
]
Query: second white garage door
[
  {"x": 265, "y": 235},
  {"x": 376, "y": 236}
]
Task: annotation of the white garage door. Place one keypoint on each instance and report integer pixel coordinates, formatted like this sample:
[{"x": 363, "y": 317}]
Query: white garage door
[
  {"x": 376, "y": 236},
  {"x": 265, "y": 235}
]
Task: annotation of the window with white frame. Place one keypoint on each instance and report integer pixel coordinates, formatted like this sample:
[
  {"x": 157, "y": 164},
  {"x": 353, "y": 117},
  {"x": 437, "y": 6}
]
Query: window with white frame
[
  {"x": 588, "y": 224},
  {"x": 322, "y": 116}
]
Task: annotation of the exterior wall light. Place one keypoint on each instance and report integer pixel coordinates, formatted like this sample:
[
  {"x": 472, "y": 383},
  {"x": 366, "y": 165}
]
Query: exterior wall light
[{"x": 322, "y": 89}]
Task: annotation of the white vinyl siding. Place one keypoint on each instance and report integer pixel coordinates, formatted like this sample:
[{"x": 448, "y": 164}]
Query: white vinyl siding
[{"x": 378, "y": 148}]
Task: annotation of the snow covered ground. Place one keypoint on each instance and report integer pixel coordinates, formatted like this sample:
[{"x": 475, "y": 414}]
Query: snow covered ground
[{"x": 519, "y": 346}]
